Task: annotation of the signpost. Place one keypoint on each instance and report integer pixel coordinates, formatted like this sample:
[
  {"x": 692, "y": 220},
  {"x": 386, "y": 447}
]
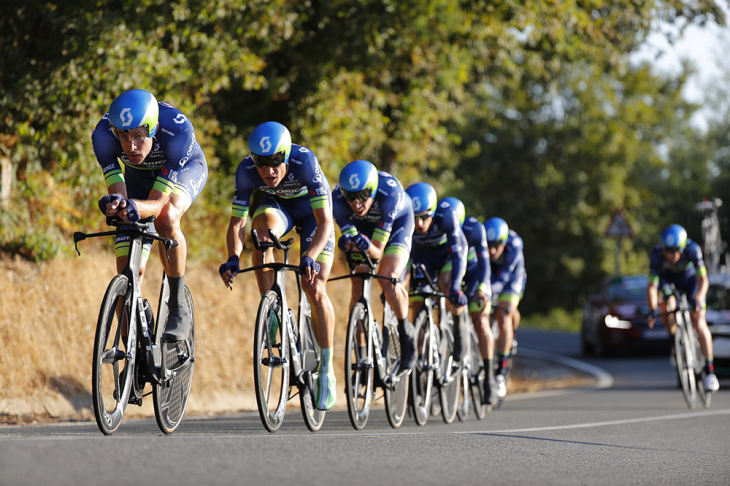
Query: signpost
[{"x": 618, "y": 228}]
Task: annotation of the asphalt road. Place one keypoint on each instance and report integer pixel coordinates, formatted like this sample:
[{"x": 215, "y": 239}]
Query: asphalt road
[{"x": 636, "y": 431}]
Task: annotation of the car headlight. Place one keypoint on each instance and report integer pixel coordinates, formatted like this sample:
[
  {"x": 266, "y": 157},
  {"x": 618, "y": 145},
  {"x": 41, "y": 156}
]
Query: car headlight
[{"x": 614, "y": 322}]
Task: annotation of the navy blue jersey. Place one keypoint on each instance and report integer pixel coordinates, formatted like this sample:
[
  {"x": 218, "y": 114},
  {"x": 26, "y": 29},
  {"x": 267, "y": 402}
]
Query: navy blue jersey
[
  {"x": 390, "y": 203},
  {"x": 445, "y": 231},
  {"x": 508, "y": 271},
  {"x": 174, "y": 147},
  {"x": 304, "y": 180},
  {"x": 476, "y": 240},
  {"x": 689, "y": 265}
]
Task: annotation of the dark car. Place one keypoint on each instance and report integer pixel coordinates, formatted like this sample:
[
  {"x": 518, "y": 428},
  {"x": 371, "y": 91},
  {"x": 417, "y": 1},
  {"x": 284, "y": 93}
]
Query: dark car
[
  {"x": 614, "y": 319},
  {"x": 718, "y": 318}
]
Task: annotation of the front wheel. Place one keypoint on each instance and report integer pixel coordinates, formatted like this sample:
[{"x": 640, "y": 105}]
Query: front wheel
[
  {"x": 313, "y": 418},
  {"x": 271, "y": 362},
  {"x": 359, "y": 363},
  {"x": 477, "y": 376},
  {"x": 396, "y": 395},
  {"x": 685, "y": 366},
  {"x": 422, "y": 376},
  {"x": 114, "y": 356},
  {"x": 171, "y": 397}
]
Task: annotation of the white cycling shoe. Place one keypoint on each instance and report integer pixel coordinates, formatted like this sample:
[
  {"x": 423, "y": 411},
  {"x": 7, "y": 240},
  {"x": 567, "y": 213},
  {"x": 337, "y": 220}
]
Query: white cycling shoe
[
  {"x": 711, "y": 383},
  {"x": 501, "y": 386}
]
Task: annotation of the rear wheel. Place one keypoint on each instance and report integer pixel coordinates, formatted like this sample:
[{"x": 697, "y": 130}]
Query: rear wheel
[
  {"x": 171, "y": 398},
  {"x": 114, "y": 358},
  {"x": 422, "y": 376},
  {"x": 396, "y": 397},
  {"x": 685, "y": 366},
  {"x": 271, "y": 362},
  {"x": 462, "y": 402},
  {"x": 704, "y": 395},
  {"x": 313, "y": 418},
  {"x": 477, "y": 377},
  {"x": 358, "y": 367}
]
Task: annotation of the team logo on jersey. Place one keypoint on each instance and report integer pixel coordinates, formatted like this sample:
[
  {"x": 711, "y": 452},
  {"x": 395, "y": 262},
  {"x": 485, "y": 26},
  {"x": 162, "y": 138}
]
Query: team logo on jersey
[
  {"x": 126, "y": 117},
  {"x": 317, "y": 179},
  {"x": 179, "y": 119},
  {"x": 291, "y": 177},
  {"x": 392, "y": 183}
]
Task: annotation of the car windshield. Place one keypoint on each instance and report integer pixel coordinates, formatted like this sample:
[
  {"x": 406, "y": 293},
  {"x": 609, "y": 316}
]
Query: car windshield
[
  {"x": 627, "y": 289},
  {"x": 718, "y": 297}
]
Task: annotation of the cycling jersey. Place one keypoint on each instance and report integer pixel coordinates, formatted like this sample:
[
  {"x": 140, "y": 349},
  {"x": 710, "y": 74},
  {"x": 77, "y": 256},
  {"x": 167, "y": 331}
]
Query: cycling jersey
[
  {"x": 176, "y": 164},
  {"x": 389, "y": 219},
  {"x": 478, "y": 269},
  {"x": 303, "y": 189},
  {"x": 682, "y": 274},
  {"x": 508, "y": 271},
  {"x": 443, "y": 243}
]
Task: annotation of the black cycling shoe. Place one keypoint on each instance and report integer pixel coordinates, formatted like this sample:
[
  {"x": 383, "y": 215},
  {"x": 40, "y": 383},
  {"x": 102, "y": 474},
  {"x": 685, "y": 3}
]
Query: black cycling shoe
[
  {"x": 407, "y": 346},
  {"x": 460, "y": 330},
  {"x": 178, "y": 324}
]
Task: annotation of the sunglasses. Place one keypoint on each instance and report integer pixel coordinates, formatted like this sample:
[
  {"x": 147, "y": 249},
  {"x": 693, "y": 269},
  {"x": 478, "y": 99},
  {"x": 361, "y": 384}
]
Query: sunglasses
[
  {"x": 361, "y": 195},
  {"x": 423, "y": 216},
  {"x": 274, "y": 160},
  {"x": 494, "y": 244},
  {"x": 671, "y": 249}
]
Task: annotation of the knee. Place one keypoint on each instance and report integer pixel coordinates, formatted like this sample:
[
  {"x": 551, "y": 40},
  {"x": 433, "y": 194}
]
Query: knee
[{"x": 168, "y": 221}]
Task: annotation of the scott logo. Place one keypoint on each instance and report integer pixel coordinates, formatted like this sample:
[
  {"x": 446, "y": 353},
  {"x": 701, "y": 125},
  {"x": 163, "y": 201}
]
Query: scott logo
[
  {"x": 354, "y": 181},
  {"x": 179, "y": 119},
  {"x": 265, "y": 143},
  {"x": 126, "y": 117}
]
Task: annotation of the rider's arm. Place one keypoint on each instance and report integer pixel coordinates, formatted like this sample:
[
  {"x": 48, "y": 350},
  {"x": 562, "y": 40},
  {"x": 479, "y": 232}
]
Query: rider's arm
[
  {"x": 652, "y": 297},
  {"x": 118, "y": 188},
  {"x": 323, "y": 216},
  {"x": 236, "y": 235},
  {"x": 456, "y": 242}
]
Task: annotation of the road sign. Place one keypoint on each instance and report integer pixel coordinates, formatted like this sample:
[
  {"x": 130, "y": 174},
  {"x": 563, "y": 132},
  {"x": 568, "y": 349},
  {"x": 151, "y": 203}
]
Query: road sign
[{"x": 619, "y": 226}]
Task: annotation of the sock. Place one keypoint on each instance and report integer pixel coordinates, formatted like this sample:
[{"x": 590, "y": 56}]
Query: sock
[
  {"x": 177, "y": 291},
  {"x": 709, "y": 366},
  {"x": 489, "y": 366},
  {"x": 325, "y": 360},
  {"x": 502, "y": 358}
]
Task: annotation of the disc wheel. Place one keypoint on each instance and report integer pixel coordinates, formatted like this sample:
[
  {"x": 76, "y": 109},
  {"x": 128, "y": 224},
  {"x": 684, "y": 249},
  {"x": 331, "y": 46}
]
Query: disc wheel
[
  {"x": 113, "y": 366},
  {"x": 422, "y": 376},
  {"x": 171, "y": 398},
  {"x": 271, "y": 362},
  {"x": 359, "y": 367},
  {"x": 396, "y": 396},
  {"x": 313, "y": 418}
]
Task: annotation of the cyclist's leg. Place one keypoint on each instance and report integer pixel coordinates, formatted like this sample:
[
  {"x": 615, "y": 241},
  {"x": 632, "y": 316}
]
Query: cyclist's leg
[
  {"x": 323, "y": 313},
  {"x": 270, "y": 215},
  {"x": 704, "y": 336},
  {"x": 505, "y": 312},
  {"x": 479, "y": 309}
]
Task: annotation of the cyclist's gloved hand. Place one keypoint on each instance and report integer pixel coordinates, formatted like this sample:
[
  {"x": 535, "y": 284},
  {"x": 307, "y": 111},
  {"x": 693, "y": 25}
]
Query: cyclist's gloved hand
[
  {"x": 653, "y": 313},
  {"x": 362, "y": 242},
  {"x": 109, "y": 199},
  {"x": 342, "y": 242},
  {"x": 308, "y": 263},
  {"x": 230, "y": 266},
  {"x": 457, "y": 297},
  {"x": 132, "y": 213}
]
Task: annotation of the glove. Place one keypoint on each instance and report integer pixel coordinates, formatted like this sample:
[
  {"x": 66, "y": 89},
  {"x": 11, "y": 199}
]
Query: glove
[
  {"x": 109, "y": 199},
  {"x": 306, "y": 263},
  {"x": 342, "y": 242},
  {"x": 653, "y": 313},
  {"x": 457, "y": 297},
  {"x": 230, "y": 266},
  {"x": 132, "y": 213},
  {"x": 362, "y": 242}
]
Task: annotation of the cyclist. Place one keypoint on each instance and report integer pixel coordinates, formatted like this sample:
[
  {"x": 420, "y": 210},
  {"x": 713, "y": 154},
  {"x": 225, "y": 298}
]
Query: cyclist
[
  {"x": 678, "y": 260},
  {"x": 375, "y": 216},
  {"x": 478, "y": 290},
  {"x": 508, "y": 287},
  {"x": 164, "y": 172},
  {"x": 440, "y": 245},
  {"x": 297, "y": 194}
]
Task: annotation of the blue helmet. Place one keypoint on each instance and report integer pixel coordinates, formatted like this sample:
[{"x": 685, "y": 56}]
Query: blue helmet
[
  {"x": 134, "y": 108},
  {"x": 270, "y": 144},
  {"x": 674, "y": 238},
  {"x": 457, "y": 206},
  {"x": 423, "y": 197},
  {"x": 497, "y": 231},
  {"x": 359, "y": 180}
]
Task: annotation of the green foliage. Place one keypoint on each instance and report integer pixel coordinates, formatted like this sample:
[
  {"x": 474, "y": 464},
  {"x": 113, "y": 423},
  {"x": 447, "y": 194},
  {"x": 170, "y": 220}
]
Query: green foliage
[
  {"x": 529, "y": 110},
  {"x": 557, "y": 319}
]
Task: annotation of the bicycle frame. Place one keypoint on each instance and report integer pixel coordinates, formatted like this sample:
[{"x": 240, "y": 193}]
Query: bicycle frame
[
  {"x": 152, "y": 357},
  {"x": 392, "y": 379},
  {"x": 301, "y": 374}
]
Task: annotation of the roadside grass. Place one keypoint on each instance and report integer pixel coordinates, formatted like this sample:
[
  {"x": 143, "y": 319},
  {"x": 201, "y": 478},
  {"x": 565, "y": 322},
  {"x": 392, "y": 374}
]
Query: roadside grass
[{"x": 555, "y": 320}]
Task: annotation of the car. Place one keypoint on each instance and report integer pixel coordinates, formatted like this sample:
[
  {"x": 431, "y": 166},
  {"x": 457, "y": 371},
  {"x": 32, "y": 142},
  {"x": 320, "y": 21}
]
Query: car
[
  {"x": 614, "y": 319},
  {"x": 718, "y": 319}
]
